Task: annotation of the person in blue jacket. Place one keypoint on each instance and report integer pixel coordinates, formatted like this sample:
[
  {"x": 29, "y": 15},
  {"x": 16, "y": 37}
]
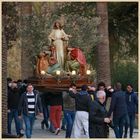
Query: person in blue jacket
[{"x": 132, "y": 108}]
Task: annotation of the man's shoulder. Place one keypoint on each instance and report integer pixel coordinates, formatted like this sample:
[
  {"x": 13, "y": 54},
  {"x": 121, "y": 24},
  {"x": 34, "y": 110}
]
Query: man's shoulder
[
  {"x": 95, "y": 103},
  {"x": 36, "y": 91},
  {"x": 120, "y": 92},
  {"x": 134, "y": 94},
  {"x": 84, "y": 95},
  {"x": 65, "y": 94},
  {"x": 23, "y": 95}
]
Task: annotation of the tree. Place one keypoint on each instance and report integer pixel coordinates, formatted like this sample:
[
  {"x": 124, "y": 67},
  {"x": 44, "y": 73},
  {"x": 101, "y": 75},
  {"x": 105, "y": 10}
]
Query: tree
[
  {"x": 87, "y": 10},
  {"x": 9, "y": 10},
  {"x": 26, "y": 44},
  {"x": 103, "y": 52},
  {"x": 123, "y": 28},
  {"x": 123, "y": 40},
  {"x": 41, "y": 22}
]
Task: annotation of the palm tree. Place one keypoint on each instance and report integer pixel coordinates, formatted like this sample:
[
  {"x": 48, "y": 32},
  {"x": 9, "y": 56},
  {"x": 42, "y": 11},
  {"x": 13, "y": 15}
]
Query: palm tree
[
  {"x": 103, "y": 53},
  {"x": 26, "y": 69}
]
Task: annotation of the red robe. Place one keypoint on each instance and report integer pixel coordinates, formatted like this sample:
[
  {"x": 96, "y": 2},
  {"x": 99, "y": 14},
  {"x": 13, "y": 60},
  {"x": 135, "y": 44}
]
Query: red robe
[{"x": 77, "y": 54}]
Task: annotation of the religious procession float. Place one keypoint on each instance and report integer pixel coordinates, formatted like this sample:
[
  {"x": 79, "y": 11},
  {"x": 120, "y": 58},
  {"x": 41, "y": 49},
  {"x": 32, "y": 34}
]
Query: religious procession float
[{"x": 61, "y": 65}]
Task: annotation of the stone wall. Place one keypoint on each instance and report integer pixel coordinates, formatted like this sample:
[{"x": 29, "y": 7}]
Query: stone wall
[{"x": 4, "y": 84}]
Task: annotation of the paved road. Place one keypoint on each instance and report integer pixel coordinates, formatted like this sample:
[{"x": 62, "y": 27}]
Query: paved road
[{"x": 39, "y": 133}]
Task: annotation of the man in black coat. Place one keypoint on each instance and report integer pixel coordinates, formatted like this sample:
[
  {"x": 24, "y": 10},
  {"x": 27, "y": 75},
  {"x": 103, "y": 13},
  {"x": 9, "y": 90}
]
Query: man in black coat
[
  {"x": 119, "y": 109},
  {"x": 98, "y": 120},
  {"x": 13, "y": 101},
  {"x": 132, "y": 108}
]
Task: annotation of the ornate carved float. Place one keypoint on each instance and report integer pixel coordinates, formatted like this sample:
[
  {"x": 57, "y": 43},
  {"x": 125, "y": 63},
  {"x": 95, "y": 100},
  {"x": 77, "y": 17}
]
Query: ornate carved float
[{"x": 59, "y": 83}]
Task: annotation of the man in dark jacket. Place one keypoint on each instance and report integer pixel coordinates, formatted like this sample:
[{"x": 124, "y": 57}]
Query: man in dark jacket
[
  {"x": 98, "y": 119},
  {"x": 119, "y": 109},
  {"x": 45, "y": 110},
  {"x": 30, "y": 105},
  {"x": 13, "y": 100},
  {"x": 82, "y": 101},
  {"x": 132, "y": 108},
  {"x": 69, "y": 111}
]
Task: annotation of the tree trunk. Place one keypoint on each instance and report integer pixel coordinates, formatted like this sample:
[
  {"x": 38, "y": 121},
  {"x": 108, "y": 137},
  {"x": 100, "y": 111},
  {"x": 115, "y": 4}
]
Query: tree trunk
[
  {"x": 103, "y": 52},
  {"x": 26, "y": 65}
]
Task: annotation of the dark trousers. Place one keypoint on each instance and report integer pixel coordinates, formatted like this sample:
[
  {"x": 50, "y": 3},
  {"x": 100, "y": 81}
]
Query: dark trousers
[
  {"x": 63, "y": 122},
  {"x": 69, "y": 116},
  {"x": 118, "y": 125},
  {"x": 130, "y": 122},
  {"x": 45, "y": 115},
  {"x": 13, "y": 114}
]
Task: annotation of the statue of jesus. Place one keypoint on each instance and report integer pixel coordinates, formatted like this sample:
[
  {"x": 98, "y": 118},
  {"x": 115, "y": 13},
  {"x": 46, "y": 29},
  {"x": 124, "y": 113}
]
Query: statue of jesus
[{"x": 56, "y": 37}]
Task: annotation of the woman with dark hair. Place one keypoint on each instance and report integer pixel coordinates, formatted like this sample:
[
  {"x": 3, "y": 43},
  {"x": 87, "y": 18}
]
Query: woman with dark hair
[
  {"x": 56, "y": 37},
  {"x": 57, "y": 25}
]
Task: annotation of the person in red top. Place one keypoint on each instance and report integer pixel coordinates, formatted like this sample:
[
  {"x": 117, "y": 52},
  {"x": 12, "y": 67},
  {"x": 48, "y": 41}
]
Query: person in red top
[
  {"x": 77, "y": 54},
  {"x": 77, "y": 61}
]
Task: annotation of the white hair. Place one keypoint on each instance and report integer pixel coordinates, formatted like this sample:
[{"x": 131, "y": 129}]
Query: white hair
[{"x": 100, "y": 94}]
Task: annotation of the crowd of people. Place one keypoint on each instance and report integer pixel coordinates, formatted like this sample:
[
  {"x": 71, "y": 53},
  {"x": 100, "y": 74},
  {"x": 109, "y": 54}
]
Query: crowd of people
[{"x": 84, "y": 110}]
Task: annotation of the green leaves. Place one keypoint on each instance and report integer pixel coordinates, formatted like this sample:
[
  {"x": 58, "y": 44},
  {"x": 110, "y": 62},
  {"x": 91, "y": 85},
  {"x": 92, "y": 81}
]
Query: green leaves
[
  {"x": 84, "y": 9},
  {"x": 126, "y": 72},
  {"x": 123, "y": 32},
  {"x": 123, "y": 25},
  {"x": 81, "y": 22}
]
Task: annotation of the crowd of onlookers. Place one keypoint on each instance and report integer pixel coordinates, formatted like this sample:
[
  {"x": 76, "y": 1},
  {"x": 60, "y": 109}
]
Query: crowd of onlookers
[{"x": 86, "y": 111}]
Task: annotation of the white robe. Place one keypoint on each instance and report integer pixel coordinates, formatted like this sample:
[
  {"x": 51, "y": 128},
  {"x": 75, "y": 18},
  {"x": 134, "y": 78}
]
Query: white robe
[{"x": 57, "y": 36}]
